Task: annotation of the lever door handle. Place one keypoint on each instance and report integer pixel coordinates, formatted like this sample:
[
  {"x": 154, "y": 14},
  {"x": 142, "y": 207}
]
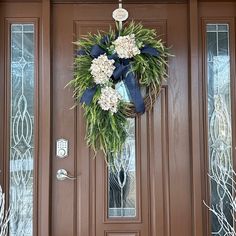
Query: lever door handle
[{"x": 63, "y": 174}]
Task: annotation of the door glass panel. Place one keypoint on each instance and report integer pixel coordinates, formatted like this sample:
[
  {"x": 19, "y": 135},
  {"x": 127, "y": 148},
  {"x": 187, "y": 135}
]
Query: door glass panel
[
  {"x": 219, "y": 125},
  {"x": 22, "y": 129},
  {"x": 122, "y": 179}
]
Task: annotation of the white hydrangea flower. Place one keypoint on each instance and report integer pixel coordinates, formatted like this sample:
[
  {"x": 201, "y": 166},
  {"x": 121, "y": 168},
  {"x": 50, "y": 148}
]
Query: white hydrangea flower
[
  {"x": 102, "y": 69},
  {"x": 109, "y": 99},
  {"x": 126, "y": 47}
]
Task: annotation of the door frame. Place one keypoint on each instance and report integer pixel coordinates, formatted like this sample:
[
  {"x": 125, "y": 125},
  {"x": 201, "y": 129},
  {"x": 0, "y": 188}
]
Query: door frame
[
  {"x": 45, "y": 125},
  {"x": 45, "y": 116},
  {"x": 45, "y": 108}
]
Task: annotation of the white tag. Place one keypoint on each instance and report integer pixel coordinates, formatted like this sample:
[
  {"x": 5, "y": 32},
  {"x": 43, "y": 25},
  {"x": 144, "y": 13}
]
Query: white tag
[{"x": 120, "y": 14}]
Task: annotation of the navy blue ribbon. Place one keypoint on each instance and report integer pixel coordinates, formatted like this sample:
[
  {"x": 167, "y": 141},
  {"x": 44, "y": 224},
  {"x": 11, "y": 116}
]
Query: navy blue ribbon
[
  {"x": 130, "y": 80},
  {"x": 96, "y": 51},
  {"x": 80, "y": 52},
  {"x": 150, "y": 51},
  {"x": 122, "y": 71},
  {"x": 119, "y": 71},
  {"x": 88, "y": 95},
  {"x": 105, "y": 40},
  {"x": 134, "y": 91},
  {"x": 120, "y": 68}
]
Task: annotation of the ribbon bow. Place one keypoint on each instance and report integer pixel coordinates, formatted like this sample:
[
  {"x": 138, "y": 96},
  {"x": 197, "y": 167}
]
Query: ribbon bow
[{"x": 122, "y": 71}]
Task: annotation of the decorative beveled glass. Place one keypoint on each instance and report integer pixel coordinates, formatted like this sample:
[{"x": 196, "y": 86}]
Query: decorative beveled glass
[
  {"x": 219, "y": 123},
  {"x": 22, "y": 129},
  {"x": 122, "y": 179}
]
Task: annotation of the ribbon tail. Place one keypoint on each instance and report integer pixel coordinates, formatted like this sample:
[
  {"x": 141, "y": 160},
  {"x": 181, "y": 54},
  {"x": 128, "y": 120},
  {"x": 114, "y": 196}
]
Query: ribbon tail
[
  {"x": 88, "y": 95},
  {"x": 80, "y": 52},
  {"x": 150, "y": 51},
  {"x": 96, "y": 51},
  {"x": 121, "y": 68},
  {"x": 134, "y": 91},
  {"x": 113, "y": 56},
  {"x": 119, "y": 71},
  {"x": 105, "y": 39}
]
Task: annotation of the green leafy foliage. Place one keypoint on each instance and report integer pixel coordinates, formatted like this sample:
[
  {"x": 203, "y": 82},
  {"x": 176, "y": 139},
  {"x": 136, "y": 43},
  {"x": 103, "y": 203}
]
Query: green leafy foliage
[{"x": 106, "y": 131}]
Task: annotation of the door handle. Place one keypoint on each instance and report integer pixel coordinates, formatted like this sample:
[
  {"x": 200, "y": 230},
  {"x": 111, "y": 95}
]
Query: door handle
[{"x": 63, "y": 174}]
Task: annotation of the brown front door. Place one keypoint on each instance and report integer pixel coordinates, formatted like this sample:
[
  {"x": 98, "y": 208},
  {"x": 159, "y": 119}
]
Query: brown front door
[
  {"x": 170, "y": 149},
  {"x": 158, "y": 199}
]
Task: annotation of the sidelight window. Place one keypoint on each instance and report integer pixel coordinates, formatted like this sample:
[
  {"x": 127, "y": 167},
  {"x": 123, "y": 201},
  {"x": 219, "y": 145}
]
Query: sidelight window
[
  {"x": 219, "y": 125},
  {"x": 22, "y": 122}
]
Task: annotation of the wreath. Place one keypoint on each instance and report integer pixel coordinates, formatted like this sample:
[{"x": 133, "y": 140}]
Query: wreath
[{"x": 132, "y": 57}]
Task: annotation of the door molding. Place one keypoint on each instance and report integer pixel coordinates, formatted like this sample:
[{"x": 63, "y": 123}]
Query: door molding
[
  {"x": 195, "y": 143},
  {"x": 45, "y": 111}
]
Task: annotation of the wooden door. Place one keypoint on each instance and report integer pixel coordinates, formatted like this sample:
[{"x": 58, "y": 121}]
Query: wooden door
[
  {"x": 170, "y": 143},
  {"x": 162, "y": 136}
]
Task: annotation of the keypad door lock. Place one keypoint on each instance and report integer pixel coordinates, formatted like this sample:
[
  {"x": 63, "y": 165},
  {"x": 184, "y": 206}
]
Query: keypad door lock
[{"x": 62, "y": 148}]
